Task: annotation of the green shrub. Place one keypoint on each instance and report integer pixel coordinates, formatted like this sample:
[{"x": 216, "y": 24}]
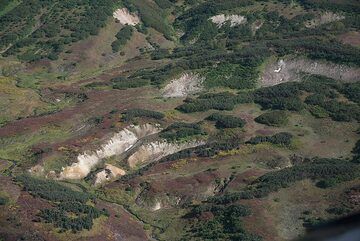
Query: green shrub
[
  {"x": 122, "y": 37},
  {"x": 352, "y": 91},
  {"x": 3, "y": 201},
  {"x": 326, "y": 183},
  {"x": 164, "y": 3},
  {"x": 226, "y": 223},
  {"x": 226, "y": 121},
  {"x": 273, "y": 118},
  {"x": 55, "y": 23},
  {"x": 332, "y": 170},
  {"x": 282, "y": 138},
  {"x": 84, "y": 216},
  {"x": 51, "y": 190},
  {"x": 218, "y": 101},
  {"x": 356, "y": 152},
  {"x": 152, "y": 16},
  {"x": 179, "y": 130}
]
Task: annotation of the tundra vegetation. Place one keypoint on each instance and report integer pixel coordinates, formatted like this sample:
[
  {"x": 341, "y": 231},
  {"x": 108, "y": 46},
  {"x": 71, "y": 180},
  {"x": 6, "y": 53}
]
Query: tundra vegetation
[{"x": 224, "y": 158}]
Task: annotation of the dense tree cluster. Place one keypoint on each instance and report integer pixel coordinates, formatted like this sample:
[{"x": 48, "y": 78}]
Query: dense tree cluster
[
  {"x": 61, "y": 22},
  {"x": 164, "y": 3},
  {"x": 317, "y": 48},
  {"x": 69, "y": 203},
  {"x": 347, "y": 6},
  {"x": 225, "y": 224},
  {"x": 180, "y": 131},
  {"x": 51, "y": 190},
  {"x": 352, "y": 91},
  {"x": 356, "y": 152},
  {"x": 3, "y": 201},
  {"x": 217, "y": 101},
  {"x": 195, "y": 20},
  {"x": 323, "y": 102},
  {"x": 282, "y": 138},
  {"x": 226, "y": 121},
  {"x": 122, "y": 37},
  {"x": 327, "y": 171},
  {"x": 234, "y": 76},
  {"x": 152, "y": 15},
  {"x": 279, "y": 97},
  {"x": 160, "y": 54},
  {"x": 157, "y": 76},
  {"x": 73, "y": 216}
]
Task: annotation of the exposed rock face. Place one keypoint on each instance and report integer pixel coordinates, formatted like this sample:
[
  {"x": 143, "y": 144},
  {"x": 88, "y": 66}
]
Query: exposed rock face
[
  {"x": 156, "y": 150},
  {"x": 110, "y": 172},
  {"x": 118, "y": 144},
  {"x": 125, "y": 17},
  {"x": 234, "y": 20},
  {"x": 290, "y": 70},
  {"x": 188, "y": 83},
  {"x": 154, "y": 202},
  {"x": 324, "y": 18},
  {"x": 37, "y": 170}
]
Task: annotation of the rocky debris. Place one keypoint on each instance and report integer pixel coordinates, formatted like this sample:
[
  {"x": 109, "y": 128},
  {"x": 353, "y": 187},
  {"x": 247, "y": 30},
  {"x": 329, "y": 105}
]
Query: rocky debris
[
  {"x": 187, "y": 84},
  {"x": 157, "y": 206},
  {"x": 37, "y": 170},
  {"x": 125, "y": 17},
  {"x": 234, "y": 20},
  {"x": 156, "y": 150},
  {"x": 157, "y": 201},
  {"x": 324, "y": 18},
  {"x": 118, "y": 144},
  {"x": 291, "y": 70},
  {"x": 256, "y": 25},
  {"x": 110, "y": 172}
]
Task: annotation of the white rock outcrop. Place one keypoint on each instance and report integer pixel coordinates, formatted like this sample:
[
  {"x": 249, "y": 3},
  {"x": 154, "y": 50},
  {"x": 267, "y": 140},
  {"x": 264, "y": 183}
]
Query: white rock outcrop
[
  {"x": 324, "y": 18},
  {"x": 186, "y": 84},
  {"x": 118, "y": 144},
  {"x": 234, "y": 20},
  {"x": 125, "y": 17},
  {"x": 293, "y": 70},
  {"x": 156, "y": 150},
  {"x": 110, "y": 172}
]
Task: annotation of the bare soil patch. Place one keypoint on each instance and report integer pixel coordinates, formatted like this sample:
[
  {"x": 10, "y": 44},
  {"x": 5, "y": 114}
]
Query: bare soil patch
[{"x": 291, "y": 70}]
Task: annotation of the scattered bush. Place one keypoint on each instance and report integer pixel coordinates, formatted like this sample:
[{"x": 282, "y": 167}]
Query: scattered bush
[{"x": 129, "y": 115}]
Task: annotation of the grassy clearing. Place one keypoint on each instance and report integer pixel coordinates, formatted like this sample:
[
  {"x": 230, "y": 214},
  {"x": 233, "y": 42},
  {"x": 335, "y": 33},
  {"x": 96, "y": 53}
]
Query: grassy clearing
[
  {"x": 291, "y": 206},
  {"x": 39, "y": 79},
  {"x": 16, "y": 148},
  {"x": 16, "y": 102}
]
